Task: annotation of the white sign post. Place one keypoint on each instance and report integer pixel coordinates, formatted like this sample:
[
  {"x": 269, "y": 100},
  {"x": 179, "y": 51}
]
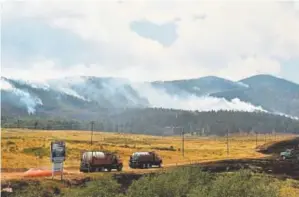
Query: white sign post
[{"x": 57, "y": 157}]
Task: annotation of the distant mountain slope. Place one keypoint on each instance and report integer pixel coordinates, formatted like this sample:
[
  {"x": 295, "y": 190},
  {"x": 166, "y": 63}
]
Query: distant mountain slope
[
  {"x": 200, "y": 86},
  {"x": 274, "y": 94},
  {"x": 82, "y": 97}
]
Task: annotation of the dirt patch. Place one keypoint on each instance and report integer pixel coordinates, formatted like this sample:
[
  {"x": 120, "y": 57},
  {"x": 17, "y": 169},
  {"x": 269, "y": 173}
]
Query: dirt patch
[
  {"x": 77, "y": 182},
  {"x": 288, "y": 169},
  {"x": 277, "y": 147},
  {"x": 126, "y": 179}
]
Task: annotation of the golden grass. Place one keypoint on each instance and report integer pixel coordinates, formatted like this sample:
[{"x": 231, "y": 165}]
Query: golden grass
[{"x": 16, "y": 142}]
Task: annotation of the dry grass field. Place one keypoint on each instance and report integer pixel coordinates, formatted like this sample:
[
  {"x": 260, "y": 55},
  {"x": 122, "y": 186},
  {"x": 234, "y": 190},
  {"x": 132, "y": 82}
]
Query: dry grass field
[{"x": 23, "y": 148}]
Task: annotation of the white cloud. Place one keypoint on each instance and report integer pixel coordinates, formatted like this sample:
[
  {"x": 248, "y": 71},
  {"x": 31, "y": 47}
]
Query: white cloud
[{"x": 262, "y": 33}]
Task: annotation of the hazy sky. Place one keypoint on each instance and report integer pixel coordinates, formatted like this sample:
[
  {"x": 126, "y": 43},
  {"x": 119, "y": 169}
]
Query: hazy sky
[{"x": 149, "y": 40}]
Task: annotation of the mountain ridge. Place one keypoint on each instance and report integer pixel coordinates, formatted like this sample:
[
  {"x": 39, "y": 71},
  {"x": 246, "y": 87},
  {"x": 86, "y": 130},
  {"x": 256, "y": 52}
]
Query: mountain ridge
[{"x": 259, "y": 92}]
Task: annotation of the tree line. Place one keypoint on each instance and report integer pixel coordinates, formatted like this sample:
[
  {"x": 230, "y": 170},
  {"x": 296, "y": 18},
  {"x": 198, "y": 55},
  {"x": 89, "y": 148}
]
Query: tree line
[{"x": 159, "y": 121}]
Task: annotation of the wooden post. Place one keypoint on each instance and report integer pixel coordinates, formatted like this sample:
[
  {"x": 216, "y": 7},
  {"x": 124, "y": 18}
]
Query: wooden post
[
  {"x": 91, "y": 132},
  {"x": 52, "y": 170},
  {"x": 256, "y": 133},
  {"x": 183, "y": 142},
  {"x": 227, "y": 145},
  {"x": 61, "y": 171}
]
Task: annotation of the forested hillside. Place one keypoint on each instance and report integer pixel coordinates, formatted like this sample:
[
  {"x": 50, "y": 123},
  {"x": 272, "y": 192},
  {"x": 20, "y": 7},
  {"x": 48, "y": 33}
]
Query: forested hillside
[
  {"x": 84, "y": 97},
  {"x": 274, "y": 94}
]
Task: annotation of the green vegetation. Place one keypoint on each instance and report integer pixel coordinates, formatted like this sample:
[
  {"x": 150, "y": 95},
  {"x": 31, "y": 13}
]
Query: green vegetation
[
  {"x": 160, "y": 122},
  {"x": 181, "y": 182},
  {"x": 37, "y": 151},
  {"x": 106, "y": 187}
]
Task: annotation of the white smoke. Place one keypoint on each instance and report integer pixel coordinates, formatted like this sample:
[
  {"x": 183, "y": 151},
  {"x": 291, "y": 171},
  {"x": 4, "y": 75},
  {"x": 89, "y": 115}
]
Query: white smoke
[
  {"x": 66, "y": 86},
  {"x": 6, "y": 85},
  {"x": 242, "y": 84},
  {"x": 35, "y": 85},
  {"x": 30, "y": 101},
  {"x": 78, "y": 87},
  {"x": 113, "y": 87},
  {"x": 159, "y": 98},
  {"x": 83, "y": 89},
  {"x": 71, "y": 92},
  {"x": 287, "y": 116},
  {"x": 25, "y": 98}
]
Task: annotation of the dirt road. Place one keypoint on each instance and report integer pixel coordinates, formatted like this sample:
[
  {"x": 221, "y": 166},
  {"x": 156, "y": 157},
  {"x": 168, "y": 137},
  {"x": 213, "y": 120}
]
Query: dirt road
[
  {"x": 276, "y": 167},
  {"x": 73, "y": 172}
]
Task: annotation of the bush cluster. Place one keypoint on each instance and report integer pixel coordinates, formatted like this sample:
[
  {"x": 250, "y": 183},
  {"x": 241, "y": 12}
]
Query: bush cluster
[{"x": 181, "y": 182}]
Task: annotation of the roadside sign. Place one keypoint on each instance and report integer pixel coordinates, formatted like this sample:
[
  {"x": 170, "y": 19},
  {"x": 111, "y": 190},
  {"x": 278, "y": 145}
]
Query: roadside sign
[
  {"x": 57, "y": 167},
  {"x": 57, "y": 157},
  {"x": 58, "y": 151}
]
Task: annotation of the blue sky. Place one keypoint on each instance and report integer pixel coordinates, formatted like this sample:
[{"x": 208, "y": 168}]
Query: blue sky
[{"x": 146, "y": 41}]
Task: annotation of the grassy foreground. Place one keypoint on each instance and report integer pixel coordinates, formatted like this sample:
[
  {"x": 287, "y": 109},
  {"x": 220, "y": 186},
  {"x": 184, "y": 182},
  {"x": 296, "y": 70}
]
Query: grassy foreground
[
  {"x": 22, "y": 148},
  {"x": 179, "y": 182}
]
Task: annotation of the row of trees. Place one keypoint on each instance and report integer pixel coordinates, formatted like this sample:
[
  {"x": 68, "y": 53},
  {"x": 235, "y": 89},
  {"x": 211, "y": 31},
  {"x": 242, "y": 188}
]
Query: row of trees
[{"x": 163, "y": 121}]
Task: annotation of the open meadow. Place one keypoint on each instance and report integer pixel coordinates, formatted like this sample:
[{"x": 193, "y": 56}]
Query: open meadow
[{"x": 23, "y": 148}]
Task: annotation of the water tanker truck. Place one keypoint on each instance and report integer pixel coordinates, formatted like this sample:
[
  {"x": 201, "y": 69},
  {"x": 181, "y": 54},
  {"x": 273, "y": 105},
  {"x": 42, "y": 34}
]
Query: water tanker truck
[
  {"x": 145, "y": 160},
  {"x": 95, "y": 161}
]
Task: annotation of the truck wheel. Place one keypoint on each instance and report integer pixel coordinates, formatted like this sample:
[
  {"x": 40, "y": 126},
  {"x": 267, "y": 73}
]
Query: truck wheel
[
  {"x": 143, "y": 166},
  {"x": 283, "y": 158},
  {"x": 119, "y": 168},
  {"x": 149, "y": 165},
  {"x": 109, "y": 169}
]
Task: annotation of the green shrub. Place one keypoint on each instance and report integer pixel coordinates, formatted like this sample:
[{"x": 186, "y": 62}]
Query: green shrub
[
  {"x": 37, "y": 151},
  {"x": 238, "y": 184},
  {"x": 33, "y": 189},
  {"x": 173, "y": 184},
  {"x": 8, "y": 143},
  {"x": 171, "y": 148},
  {"x": 106, "y": 187}
]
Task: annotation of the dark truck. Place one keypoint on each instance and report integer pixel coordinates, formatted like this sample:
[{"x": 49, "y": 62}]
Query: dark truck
[
  {"x": 95, "y": 161},
  {"x": 145, "y": 160}
]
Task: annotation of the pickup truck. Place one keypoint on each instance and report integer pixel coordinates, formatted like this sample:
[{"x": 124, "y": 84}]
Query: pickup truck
[{"x": 290, "y": 154}]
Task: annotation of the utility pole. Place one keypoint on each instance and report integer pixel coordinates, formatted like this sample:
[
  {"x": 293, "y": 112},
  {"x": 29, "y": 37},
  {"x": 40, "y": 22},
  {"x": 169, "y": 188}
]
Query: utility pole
[
  {"x": 92, "y": 123},
  {"x": 183, "y": 142},
  {"x": 227, "y": 145},
  {"x": 18, "y": 123},
  {"x": 35, "y": 124},
  {"x": 256, "y": 133},
  {"x": 190, "y": 128}
]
